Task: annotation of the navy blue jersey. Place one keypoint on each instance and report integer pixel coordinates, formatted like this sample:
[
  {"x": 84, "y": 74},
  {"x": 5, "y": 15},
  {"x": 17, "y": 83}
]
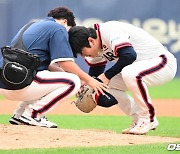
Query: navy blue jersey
[{"x": 47, "y": 39}]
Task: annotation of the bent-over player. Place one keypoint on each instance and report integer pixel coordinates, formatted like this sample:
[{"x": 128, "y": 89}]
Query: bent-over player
[
  {"x": 48, "y": 39},
  {"x": 140, "y": 62}
]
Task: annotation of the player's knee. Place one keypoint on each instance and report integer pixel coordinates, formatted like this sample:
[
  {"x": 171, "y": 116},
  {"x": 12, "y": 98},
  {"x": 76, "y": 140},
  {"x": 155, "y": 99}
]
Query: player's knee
[
  {"x": 106, "y": 100},
  {"x": 76, "y": 84},
  {"x": 77, "y": 81},
  {"x": 128, "y": 74}
]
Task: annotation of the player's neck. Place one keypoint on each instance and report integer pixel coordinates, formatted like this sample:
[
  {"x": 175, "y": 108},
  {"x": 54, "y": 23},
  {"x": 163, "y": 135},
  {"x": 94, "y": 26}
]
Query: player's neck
[{"x": 63, "y": 23}]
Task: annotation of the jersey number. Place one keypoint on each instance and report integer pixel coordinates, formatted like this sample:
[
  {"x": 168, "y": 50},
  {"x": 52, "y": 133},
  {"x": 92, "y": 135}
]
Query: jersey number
[{"x": 110, "y": 56}]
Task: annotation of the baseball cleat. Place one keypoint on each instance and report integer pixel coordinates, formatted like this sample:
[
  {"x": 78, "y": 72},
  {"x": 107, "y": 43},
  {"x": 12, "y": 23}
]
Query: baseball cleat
[
  {"x": 133, "y": 124},
  {"x": 42, "y": 121},
  {"x": 15, "y": 121},
  {"x": 143, "y": 127},
  {"x": 155, "y": 124}
]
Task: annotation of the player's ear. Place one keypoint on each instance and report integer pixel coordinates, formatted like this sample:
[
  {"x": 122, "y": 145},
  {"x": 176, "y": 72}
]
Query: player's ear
[
  {"x": 91, "y": 40},
  {"x": 65, "y": 21}
]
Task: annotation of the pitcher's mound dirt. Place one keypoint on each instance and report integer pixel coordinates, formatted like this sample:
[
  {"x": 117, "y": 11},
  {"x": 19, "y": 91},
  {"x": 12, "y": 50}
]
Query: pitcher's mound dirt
[{"x": 17, "y": 137}]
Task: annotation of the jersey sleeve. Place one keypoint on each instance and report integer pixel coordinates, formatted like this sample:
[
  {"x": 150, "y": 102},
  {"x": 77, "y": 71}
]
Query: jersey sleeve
[
  {"x": 97, "y": 61},
  {"x": 119, "y": 39},
  {"x": 60, "y": 49}
]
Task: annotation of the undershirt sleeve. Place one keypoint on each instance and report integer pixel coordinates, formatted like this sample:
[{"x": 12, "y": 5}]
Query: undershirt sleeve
[
  {"x": 96, "y": 71},
  {"x": 127, "y": 56}
]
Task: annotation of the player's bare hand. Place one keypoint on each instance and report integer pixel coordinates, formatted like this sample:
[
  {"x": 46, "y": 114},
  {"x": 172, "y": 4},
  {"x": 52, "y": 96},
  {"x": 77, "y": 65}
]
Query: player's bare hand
[
  {"x": 98, "y": 87},
  {"x": 83, "y": 83}
]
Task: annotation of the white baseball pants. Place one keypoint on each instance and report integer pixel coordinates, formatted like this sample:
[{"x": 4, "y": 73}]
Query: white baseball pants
[
  {"x": 136, "y": 78},
  {"x": 46, "y": 91}
]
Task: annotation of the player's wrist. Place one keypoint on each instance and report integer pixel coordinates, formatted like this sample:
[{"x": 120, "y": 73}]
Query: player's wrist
[{"x": 104, "y": 79}]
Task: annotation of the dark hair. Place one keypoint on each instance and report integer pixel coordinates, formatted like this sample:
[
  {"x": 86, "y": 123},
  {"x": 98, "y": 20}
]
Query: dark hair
[
  {"x": 78, "y": 38},
  {"x": 63, "y": 13}
]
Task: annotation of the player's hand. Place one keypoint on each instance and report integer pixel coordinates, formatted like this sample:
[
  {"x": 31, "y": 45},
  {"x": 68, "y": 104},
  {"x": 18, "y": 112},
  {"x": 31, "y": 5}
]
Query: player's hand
[
  {"x": 98, "y": 87},
  {"x": 83, "y": 83},
  {"x": 104, "y": 79}
]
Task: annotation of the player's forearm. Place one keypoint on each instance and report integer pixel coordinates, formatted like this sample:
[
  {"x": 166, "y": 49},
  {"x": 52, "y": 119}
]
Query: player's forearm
[
  {"x": 55, "y": 68},
  {"x": 96, "y": 71},
  {"x": 104, "y": 79},
  {"x": 72, "y": 67}
]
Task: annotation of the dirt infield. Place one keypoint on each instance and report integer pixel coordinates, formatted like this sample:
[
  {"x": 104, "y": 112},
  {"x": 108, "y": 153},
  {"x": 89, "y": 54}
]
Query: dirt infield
[
  {"x": 164, "y": 107},
  {"x": 17, "y": 137}
]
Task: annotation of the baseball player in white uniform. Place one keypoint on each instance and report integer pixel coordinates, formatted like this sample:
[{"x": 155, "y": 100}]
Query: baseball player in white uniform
[{"x": 140, "y": 62}]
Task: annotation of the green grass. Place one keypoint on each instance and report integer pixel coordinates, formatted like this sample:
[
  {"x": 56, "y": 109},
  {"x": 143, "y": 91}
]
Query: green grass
[
  {"x": 169, "y": 126},
  {"x": 168, "y": 90},
  {"x": 1, "y": 97},
  {"x": 138, "y": 149}
]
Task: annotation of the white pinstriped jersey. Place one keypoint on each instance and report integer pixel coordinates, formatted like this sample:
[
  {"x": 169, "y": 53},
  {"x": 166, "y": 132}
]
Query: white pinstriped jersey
[
  {"x": 153, "y": 66},
  {"x": 115, "y": 35}
]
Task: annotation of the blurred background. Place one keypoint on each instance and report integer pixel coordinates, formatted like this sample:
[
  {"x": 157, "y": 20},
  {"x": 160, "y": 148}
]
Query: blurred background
[{"x": 160, "y": 18}]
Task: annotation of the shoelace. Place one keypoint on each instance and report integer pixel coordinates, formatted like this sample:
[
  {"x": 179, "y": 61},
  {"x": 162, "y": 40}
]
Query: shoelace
[
  {"x": 134, "y": 123},
  {"x": 44, "y": 118},
  {"x": 41, "y": 118},
  {"x": 141, "y": 124}
]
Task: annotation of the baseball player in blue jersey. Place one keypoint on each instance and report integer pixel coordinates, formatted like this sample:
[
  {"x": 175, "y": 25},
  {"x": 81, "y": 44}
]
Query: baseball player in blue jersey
[
  {"x": 57, "y": 79},
  {"x": 140, "y": 62}
]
